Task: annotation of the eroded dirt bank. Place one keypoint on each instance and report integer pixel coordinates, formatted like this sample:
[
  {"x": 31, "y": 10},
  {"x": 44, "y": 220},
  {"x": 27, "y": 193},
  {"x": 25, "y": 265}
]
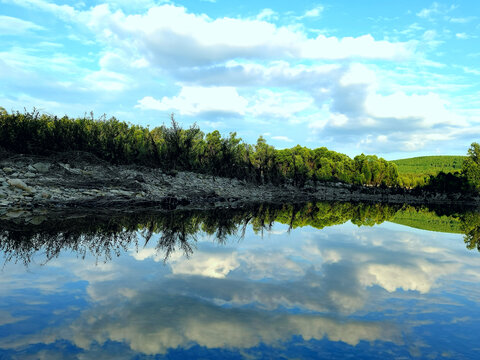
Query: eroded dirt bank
[{"x": 80, "y": 181}]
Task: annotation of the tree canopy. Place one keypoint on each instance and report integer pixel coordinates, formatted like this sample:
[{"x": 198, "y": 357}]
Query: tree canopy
[{"x": 174, "y": 148}]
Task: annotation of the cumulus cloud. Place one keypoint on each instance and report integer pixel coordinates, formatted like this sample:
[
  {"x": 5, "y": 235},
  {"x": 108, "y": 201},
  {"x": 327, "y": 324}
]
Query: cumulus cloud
[
  {"x": 170, "y": 36},
  {"x": 430, "y": 110},
  {"x": 193, "y": 100}
]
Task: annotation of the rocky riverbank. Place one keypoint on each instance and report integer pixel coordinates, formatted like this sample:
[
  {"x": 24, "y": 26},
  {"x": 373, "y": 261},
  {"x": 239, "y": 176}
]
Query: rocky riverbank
[{"x": 80, "y": 181}]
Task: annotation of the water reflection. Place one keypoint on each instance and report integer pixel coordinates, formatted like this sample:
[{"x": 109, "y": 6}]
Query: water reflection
[
  {"x": 366, "y": 292},
  {"x": 108, "y": 236}
]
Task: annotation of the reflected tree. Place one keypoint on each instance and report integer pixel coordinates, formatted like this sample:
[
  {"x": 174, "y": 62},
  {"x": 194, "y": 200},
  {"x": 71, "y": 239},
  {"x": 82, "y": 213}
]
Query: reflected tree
[{"x": 106, "y": 236}]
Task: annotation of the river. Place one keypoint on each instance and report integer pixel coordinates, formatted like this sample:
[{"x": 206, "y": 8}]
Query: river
[{"x": 325, "y": 280}]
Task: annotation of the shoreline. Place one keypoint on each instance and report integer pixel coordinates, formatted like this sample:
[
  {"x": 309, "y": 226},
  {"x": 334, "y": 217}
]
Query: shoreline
[{"x": 83, "y": 182}]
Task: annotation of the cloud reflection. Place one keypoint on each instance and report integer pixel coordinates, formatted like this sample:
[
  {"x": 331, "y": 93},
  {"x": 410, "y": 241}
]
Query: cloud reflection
[{"x": 155, "y": 322}]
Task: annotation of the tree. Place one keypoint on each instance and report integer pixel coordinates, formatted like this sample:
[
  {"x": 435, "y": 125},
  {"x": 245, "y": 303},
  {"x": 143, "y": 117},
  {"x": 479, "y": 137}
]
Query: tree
[{"x": 471, "y": 166}]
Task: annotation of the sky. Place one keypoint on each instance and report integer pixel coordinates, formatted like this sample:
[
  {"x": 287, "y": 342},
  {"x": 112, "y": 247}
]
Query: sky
[{"x": 396, "y": 79}]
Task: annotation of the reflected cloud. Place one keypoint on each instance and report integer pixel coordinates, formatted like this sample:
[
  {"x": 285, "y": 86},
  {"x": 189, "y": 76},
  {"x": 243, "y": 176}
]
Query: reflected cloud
[
  {"x": 212, "y": 264},
  {"x": 420, "y": 277},
  {"x": 7, "y": 318},
  {"x": 155, "y": 322}
]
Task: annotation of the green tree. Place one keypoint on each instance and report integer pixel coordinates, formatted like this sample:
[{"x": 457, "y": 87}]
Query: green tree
[{"x": 471, "y": 166}]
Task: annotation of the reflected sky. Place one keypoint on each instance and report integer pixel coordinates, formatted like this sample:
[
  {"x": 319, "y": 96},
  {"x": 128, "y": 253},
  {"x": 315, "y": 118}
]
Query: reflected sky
[{"x": 386, "y": 291}]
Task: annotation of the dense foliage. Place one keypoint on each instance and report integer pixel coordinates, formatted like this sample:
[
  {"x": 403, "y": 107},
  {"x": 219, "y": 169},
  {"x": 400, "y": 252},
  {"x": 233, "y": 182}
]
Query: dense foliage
[
  {"x": 174, "y": 148},
  {"x": 471, "y": 166},
  {"x": 465, "y": 181}
]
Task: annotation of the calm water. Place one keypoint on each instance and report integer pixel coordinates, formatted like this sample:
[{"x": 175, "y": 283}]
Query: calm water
[{"x": 264, "y": 283}]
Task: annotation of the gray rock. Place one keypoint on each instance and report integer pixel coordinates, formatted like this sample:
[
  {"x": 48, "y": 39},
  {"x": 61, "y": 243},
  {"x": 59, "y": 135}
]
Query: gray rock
[
  {"x": 121, "y": 192},
  {"x": 19, "y": 184},
  {"x": 8, "y": 170},
  {"x": 37, "y": 220},
  {"x": 31, "y": 168},
  {"x": 15, "y": 214},
  {"x": 29, "y": 175},
  {"x": 41, "y": 167}
]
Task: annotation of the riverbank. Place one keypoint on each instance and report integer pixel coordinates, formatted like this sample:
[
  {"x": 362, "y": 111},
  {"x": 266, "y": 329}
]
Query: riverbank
[{"x": 81, "y": 181}]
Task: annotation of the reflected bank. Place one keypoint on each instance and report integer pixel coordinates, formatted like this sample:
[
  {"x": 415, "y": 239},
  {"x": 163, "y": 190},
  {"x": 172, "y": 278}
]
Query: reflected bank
[{"x": 108, "y": 235}]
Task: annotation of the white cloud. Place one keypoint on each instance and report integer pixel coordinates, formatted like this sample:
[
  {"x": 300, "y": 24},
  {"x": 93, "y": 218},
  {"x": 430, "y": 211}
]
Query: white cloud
[
  {"x": 169, "y": 36},
  {"x": 64, "y": 12},
  {"x": 462, "y": 20},
  {"x": 462, "y": 36},
  {"x": 104, "y": 80},
  {"x": 424, "y": 110},
  {"x": 14, "y": 26},
  {"x": 193, "y": 100},
  {"x": 364, "y": 46},
  {"x": 435, "y": 9},
  {"x": 282, "y": 138},
  {"x": 280, "y": 104},
  {"x": 469, "y": 70},
  {"x": 267, "y": 14},
  {"x": 338, "y": 120},
  {"x": 358, "y": 74},
  {"x": 315, "y": 12}
]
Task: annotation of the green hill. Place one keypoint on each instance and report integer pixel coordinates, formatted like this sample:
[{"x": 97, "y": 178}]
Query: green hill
[
  {"x": 430, "y": 165},
  {"x": 414, "y": 171}
]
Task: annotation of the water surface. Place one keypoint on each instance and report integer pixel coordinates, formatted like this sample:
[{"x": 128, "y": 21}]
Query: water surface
[{"x": 315, "y": 281}]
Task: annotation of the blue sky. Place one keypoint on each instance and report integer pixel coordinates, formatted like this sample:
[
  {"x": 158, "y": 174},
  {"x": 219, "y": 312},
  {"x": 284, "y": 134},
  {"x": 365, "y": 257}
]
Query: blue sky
[{"x": 395, "y": 79}]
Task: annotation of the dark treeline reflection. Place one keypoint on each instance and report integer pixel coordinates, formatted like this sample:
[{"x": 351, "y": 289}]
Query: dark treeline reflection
[{"x": 107, "y": 236}]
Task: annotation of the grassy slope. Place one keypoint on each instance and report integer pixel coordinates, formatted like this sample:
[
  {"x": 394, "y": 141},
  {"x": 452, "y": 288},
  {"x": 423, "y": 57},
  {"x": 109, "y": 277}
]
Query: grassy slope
[
  {"x": 427, "y": 220},
  {"x": 423, "y": 166},
  {"x": 429, "y": 165}
]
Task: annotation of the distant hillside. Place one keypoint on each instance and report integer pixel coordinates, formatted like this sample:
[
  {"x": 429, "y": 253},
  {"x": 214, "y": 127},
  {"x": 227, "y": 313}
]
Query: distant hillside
[
  {"x": 415, "y": 171},
  {"x": 429, "y": 164}
]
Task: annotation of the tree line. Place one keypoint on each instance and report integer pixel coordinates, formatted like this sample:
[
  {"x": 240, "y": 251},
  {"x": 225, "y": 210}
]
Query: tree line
[{"x": 173, "y": 148}]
